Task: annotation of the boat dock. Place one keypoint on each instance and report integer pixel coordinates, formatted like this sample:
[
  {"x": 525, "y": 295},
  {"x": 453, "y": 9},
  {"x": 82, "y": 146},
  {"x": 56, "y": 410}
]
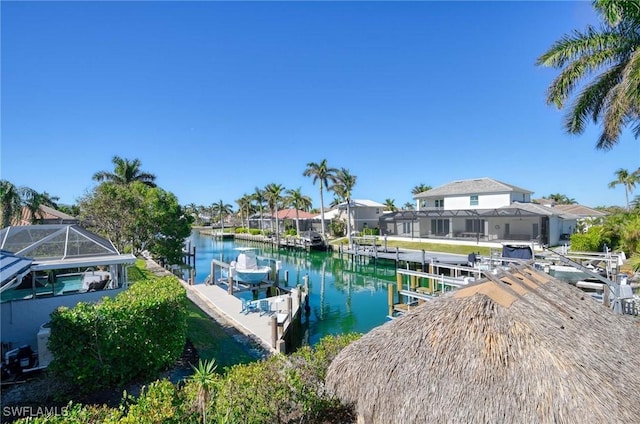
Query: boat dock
[
  {"x": 416, "y": 259},
  {"x": 269, "y": 324}
]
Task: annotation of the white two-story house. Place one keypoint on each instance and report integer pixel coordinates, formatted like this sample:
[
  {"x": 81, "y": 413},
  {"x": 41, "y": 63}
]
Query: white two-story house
[{"x": 482, "y": 209}]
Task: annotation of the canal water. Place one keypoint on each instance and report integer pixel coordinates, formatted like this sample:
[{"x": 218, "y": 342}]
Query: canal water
[{"x": 344, "y": 297}]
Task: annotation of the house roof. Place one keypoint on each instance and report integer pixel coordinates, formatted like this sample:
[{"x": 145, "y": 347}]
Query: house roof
[
  {"x": 581, "y": 211},
  {"x": 12, "y": 265},
  {"x": 493, "y": 351},
  {"x": 361, "y": 203},
  {"x": 544, "y": 210},
  {"x": 473, "y": 186},
  {"x": 54, "y": 246},
  {"x": 45, "y": 213},
  {"x": 291, "y": 214},
  {"x": 515, "y": 210}
]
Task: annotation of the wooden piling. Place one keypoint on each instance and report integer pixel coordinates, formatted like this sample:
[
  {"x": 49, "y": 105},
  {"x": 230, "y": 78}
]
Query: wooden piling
[
  {"x": 399, "y": 284},
  {"x": 274, "y": 331},
  {"x": 390, "y": 298}
]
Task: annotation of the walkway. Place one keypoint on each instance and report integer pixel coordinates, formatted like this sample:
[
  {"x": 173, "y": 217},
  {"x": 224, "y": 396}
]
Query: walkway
[{"x": 255, "y": 325}]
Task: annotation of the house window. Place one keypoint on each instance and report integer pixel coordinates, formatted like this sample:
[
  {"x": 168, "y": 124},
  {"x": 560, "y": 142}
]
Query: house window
[
  {"x": 439, "y": 203},
  {"x": 440, "y": 226},
  {"x": 423, "y": 203},
  {"x": 474, "y": 200},
  {"x": 474, "y": 226},
  {"x": 377, "y": 211}
]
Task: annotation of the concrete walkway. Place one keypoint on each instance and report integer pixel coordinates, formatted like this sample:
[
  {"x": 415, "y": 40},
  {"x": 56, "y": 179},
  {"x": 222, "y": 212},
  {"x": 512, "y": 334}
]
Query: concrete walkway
[{"x": 254, "y": 324}]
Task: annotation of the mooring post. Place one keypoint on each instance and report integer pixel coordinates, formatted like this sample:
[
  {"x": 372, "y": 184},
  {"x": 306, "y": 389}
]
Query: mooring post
[
  {"x": 230, "y": 282},
  {"x": 399, "y": 284},
  {"x": 390, "y": 298},
  {"x": 290, "y": 307},
  {"x": 286, "y": 277},
  {"x": 274, "y": 331},
  {"x": 212, "y": 273},
  {"x": 306, "y": 283}
]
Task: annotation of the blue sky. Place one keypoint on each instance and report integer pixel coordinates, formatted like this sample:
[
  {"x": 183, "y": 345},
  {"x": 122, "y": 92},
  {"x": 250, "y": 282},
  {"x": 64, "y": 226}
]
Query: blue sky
[{"x": 217, "y": 98}]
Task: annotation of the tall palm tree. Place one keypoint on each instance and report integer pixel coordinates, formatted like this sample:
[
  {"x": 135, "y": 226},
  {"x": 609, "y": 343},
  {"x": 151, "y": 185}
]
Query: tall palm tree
[
  {"x": 300, "y": 202},
  {"x": 324, "y": 175},
  {"x": 14, "y": 198},
  {"x": 612, "y": 55},
  {"x": 628, "y": 180},
  {"x": 343, "y": 186},
  {"x": 258, "y": 197},
  {"x": 221, "y": 210},
  {"x": 126, "y": 171},
  {"x": 390, "y": 205},
  {"x": 273, "y": 195},
  {"x": 244, "y": 206}
]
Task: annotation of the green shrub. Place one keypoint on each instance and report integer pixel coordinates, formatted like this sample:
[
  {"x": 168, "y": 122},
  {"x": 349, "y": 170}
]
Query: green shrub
[
  {"x": 255, "y": 231},
  {"x": 136, "y": 334},
  {"x": 159, "y": 403},
  {"x": 591, "y": 241}
]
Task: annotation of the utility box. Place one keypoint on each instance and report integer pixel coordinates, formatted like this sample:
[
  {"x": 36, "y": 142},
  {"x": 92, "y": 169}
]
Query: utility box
[{"x": 44, "y": 355}]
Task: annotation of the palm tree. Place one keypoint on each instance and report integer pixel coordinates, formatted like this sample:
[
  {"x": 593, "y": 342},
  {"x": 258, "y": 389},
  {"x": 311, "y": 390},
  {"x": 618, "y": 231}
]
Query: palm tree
[
  {"x": 628, "y": 180},
  {"x": 420, "y": 188},
  {"x": 273, "y": 195},
  {"x": 390, "y": 205},
  {"x": 125, "y": 172},
  {"x": 204, "y": 377},
  {"x": 258, "y": 197},
  {"x": 221, "y": 210},
  {"x": 324, "y": 175},
  {"x": 244, "y": 205},
  {"x": 612, "y": 54},
  {"x": 344, "y": 183},
  {"x": 560, "y": 199},
  {"x": 14, "y": 198},
  {"x": 300, "y": 202},
  {"x": 408, "y": 206}
]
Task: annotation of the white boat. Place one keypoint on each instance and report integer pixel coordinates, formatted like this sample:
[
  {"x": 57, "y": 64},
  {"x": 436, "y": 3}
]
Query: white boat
[{"x": 246, "y": 268}]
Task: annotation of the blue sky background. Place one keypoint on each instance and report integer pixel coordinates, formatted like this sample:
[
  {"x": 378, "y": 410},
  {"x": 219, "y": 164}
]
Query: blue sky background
[{"x": 217, "y": 98}]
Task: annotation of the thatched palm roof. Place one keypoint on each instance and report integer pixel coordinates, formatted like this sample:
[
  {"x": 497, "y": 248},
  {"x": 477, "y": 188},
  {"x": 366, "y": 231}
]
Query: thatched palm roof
[{"x": 524, "y": 348}]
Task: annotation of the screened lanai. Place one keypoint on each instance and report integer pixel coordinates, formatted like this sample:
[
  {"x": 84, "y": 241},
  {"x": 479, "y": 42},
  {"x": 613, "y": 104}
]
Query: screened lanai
[{"x": 65, "y": 258}]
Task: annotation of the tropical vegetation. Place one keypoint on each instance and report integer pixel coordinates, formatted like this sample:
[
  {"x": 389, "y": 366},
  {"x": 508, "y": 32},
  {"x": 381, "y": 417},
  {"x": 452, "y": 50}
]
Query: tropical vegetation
[{"x": 610, "y": 55}]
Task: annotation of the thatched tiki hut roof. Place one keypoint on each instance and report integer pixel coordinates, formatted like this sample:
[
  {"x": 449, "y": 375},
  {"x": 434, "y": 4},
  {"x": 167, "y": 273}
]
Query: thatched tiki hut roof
[{"x": 519, "y": 347}]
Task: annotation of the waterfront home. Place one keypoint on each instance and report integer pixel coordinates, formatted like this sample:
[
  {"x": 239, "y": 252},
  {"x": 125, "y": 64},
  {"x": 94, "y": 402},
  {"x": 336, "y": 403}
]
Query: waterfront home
[
  {"x": 481, "y": 209},
  {"x": 364, "y": 213},
  {"x": 61, "y": 266}
]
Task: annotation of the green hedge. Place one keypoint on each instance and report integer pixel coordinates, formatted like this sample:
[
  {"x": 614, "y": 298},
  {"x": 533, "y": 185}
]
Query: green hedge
[{"x": 137, "y": 334}]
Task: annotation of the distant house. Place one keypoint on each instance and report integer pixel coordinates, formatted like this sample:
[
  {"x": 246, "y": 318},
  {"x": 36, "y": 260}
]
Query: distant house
[
  {"x": 586, "y": 216},
  {"x": 483, "y": 209},
  {"x": 44, "y": 215},
  {"x": 286, "y": 220},
  {"x": 364, "y": 213}
]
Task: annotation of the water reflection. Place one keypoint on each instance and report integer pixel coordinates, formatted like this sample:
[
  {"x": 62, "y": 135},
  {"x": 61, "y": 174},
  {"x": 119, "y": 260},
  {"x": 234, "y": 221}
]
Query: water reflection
[{"x": 343, "y": 296}]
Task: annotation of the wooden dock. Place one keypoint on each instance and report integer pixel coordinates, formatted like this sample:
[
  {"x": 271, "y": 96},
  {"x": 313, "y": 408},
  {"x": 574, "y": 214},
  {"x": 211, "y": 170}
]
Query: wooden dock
[
  {"x": 419, "y": 259},
  {"x": 269, "y": 329},
  {"x": 288, "y": 242}
]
